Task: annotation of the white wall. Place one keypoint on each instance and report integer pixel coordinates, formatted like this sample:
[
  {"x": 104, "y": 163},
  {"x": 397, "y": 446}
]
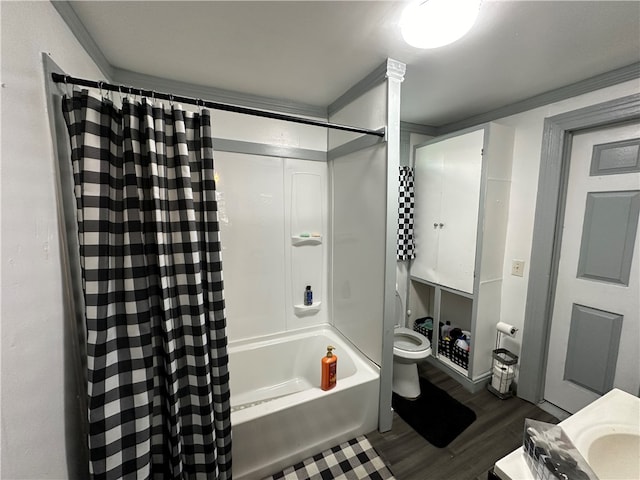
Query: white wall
[
  {"x": 524, "y": 187},
  {"x": 33, "y": 421}
]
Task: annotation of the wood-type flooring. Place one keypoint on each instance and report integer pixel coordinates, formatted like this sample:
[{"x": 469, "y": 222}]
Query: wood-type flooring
[{"x": 496, "y": 432}]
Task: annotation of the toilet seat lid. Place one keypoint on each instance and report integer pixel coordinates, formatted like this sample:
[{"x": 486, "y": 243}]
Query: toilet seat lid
[{"x": 408, "y": 340}]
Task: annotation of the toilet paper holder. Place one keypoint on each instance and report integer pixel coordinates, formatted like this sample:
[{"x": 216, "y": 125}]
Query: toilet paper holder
[{"x": 503, "y": 364}]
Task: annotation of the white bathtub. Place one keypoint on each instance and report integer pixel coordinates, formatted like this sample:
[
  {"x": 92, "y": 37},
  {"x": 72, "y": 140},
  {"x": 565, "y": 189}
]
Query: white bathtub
[{"x": 279, "y": 413}]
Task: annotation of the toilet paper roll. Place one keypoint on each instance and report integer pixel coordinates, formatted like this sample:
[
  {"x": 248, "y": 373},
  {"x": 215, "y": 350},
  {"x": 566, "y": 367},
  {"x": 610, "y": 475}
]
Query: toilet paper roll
[
  {"x": 506, "y": 329},
  {"x": 503, "y": 371},
  {"x": 501, "y": 383}
]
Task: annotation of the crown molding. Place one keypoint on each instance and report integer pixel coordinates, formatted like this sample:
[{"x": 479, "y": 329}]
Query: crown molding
[
  {"x": 360, "y": 143},
  {"x": 150, "y": 82},
  {"x": 418, "y": 128},
  {"x": 597, "y": 82},
  {"x": 70, "y": 17},
  {"x": 388, "y": 69}
]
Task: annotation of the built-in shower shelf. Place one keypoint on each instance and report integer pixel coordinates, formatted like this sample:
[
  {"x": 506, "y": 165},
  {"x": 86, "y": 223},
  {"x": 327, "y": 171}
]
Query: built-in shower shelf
[
  {"x": 304, "y": 310},
  {"x": 298, "y": 240}
]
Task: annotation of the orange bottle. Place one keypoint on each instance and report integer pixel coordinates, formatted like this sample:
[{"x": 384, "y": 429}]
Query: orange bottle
[{"x": 329, "y": 370}]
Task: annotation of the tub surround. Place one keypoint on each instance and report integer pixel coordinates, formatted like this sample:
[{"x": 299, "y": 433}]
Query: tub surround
[
  {"x": 279, "y": 413},
  {"x": 605, "y": 432}
]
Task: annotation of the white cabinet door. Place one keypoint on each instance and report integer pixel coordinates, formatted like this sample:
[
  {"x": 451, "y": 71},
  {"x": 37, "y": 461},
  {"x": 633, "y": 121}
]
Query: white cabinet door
[
  {"x": 447, "y": 179},
  {"x": 428, "y": 194},
  {"x": 459, "y": 210}
]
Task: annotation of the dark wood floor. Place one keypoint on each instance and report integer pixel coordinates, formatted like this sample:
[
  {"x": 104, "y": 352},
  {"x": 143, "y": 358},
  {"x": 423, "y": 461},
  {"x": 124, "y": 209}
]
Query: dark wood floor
[{"x": 496, "y": 431}]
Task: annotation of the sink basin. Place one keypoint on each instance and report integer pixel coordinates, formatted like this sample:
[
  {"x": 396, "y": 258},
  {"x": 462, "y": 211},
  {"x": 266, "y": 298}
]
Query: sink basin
[
  {"x": 607, "y": 434},
  {"x": 615, "y": 456}
]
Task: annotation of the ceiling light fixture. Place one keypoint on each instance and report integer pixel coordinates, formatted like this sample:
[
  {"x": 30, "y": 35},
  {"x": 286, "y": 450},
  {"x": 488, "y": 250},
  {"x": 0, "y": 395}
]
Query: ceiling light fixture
[{"x": 434, "y": 23}]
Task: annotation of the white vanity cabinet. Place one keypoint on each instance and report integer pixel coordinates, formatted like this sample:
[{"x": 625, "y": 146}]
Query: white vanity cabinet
[{"x": 462, "y": 184}]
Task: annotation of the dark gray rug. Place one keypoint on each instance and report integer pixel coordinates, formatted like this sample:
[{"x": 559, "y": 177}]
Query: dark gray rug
[{"x": 435, "y": 415}]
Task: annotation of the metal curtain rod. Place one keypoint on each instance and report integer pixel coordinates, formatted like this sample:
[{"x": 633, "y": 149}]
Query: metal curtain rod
[{"x": 59, "y": 78}]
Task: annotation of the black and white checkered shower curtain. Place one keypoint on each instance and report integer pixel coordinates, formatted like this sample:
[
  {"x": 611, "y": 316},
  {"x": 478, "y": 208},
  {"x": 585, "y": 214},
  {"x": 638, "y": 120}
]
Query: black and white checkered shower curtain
[
  {"x": 158, "y": 383},
  {"x": 406, "y": 199}
]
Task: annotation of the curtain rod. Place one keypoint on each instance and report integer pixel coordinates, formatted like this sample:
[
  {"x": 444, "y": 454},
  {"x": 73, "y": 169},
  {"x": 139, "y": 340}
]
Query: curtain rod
[{"x": 59, "y": 78}]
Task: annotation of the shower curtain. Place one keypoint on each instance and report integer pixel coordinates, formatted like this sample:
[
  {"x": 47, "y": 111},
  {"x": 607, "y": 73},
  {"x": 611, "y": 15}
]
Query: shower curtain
[
  {"x": 406, "y": 204},
  {"x": 158, "y": 382}
]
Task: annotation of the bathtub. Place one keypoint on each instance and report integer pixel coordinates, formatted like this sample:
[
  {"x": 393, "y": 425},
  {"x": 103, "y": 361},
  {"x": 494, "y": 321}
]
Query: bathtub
[{"x": 279, "y": 414}]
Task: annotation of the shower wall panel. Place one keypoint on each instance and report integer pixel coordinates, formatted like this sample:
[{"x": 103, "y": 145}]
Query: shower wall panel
[
  {"x": 250, "y": 193},
  {"x": 359, "y": 214},
  {"x": 263, "y": 202},
  {"x": 359, "y": 206}
]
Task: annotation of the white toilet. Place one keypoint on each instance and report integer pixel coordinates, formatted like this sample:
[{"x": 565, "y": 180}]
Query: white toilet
[{"x": 409, "y": 348}]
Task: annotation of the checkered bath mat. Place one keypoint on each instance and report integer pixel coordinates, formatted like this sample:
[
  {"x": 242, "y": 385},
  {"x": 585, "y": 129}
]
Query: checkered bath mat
[{"x": 352, "y": 460}]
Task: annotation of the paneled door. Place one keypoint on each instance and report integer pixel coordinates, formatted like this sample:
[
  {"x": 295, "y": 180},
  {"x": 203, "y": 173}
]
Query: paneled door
[{"x": 594, "y": 342}]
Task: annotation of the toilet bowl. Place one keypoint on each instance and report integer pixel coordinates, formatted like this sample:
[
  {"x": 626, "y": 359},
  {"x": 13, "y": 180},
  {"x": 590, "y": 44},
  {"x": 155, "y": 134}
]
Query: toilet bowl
[{"x": 409, "y": 348}]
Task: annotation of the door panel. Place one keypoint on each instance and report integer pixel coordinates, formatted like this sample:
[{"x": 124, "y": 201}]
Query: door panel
[
  {"x": 594, "y": 340},
  {"x": 608, "y": 236},
  {"x": 592, "y": 350}
]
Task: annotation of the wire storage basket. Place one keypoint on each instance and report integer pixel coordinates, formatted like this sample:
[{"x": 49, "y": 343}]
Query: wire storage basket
[
  {"x": 446, "y": 347},
  {"x": 424, "y": 326},
  {"x": 453, "y": 352},
  {"x": 503, "y": 372}
]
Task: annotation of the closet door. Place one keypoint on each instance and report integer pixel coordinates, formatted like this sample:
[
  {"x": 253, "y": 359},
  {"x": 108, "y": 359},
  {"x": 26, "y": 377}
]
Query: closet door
[
  {"x": 461, "y": 175},
  {"x": 429, "y": 162}
]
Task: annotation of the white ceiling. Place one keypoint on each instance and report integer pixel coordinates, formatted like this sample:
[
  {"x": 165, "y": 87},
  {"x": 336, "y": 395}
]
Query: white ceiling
[{"x": 313, "y": 51}]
